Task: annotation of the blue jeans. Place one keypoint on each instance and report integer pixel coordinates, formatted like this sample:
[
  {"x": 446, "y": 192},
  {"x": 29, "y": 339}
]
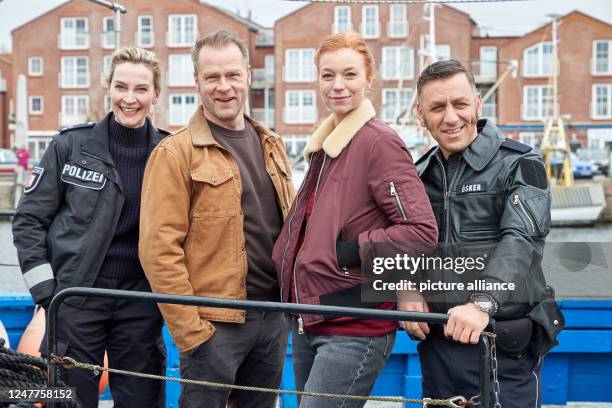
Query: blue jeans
[{"x": 347, "y": 365}]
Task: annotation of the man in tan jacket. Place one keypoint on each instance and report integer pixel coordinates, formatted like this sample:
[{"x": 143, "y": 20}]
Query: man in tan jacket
[{"x": 214, "y": 198}]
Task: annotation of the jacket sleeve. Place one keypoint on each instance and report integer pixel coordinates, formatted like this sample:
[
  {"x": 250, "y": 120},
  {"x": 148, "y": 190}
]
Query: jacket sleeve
[
  {"x": 524, "y": 225},
  {"x": 164, "y": 223},
  {"x": 395, "y": 186},
  {"x": 35, "y": 213}
]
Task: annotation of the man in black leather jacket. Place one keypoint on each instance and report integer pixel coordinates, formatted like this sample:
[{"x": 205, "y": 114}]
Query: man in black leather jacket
[{"x": 491, "y": 199}]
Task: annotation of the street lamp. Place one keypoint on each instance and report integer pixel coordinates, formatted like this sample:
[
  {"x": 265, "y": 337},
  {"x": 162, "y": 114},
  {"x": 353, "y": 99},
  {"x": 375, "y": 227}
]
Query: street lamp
[{"x": 118, "y": 9}]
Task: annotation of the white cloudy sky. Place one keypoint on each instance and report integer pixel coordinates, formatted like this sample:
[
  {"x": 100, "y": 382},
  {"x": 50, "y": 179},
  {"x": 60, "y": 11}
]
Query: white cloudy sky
[{"x": 505, "y": 18}]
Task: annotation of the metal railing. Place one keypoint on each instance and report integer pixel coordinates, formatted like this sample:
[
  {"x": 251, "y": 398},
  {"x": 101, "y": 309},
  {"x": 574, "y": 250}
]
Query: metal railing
[{"x": 434, "y": 318}]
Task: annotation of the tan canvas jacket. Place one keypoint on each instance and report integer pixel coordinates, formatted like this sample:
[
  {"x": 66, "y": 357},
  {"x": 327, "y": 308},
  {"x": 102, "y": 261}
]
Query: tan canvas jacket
[{"x": 191, "y": 226}]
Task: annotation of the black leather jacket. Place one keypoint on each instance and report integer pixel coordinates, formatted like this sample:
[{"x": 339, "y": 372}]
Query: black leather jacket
[
  {"x": 67, "y": 217},
  {"x": 494, "y": 198}
]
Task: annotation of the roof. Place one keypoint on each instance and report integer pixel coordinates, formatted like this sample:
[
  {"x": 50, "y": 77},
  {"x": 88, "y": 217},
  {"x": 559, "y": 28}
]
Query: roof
[
  {"x": 574, "y": 12},
  {"x": 39, "y": 17},
  {"x": 250, "y": 23}
]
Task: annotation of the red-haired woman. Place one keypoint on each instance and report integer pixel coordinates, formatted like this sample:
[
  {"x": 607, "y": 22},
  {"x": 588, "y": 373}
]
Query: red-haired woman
[{"x": 361, "y": 189}]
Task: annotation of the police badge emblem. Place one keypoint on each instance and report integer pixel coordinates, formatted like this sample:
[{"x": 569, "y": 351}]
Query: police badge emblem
[{"x": 34, "y": 179}]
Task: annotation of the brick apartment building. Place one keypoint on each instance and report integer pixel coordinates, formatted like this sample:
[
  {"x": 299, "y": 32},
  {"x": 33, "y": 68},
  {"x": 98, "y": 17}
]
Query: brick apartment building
[
  {"x": 63, "y": 53},
  {"x": 394, "y": 33},
  {"x": 6, "y": 75},
  {"x": 63, "y": 66}
]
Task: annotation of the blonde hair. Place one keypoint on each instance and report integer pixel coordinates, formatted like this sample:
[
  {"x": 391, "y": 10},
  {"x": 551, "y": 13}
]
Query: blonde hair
[
  {"x": 134, "y": 55},
  {"x": 350, "y": 40}
]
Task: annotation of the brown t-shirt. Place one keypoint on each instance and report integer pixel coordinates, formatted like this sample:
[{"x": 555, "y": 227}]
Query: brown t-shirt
[{"x": 262, "y": 216}]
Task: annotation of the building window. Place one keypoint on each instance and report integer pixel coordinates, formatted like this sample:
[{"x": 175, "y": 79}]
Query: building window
[
  {"x": 601, "y": 105},
  {"x": 299, "y": 65},
  {"x": 300, "y": 107},
  {"x": 342, "y": 19},
  {"x": 533, "y": 139},
  {"x": 443, "y": 52},
  {"x": 74, "y": 72},
  {"x": 181, "y": 109},
  {"x": 370, "y": 26},
  {"x": 397, "y": 60},
  {"x": 390, "y": 99},
  {"x": 398, "y": 21},
  {"x": 602, "y": 58},
  {"x": 295, "y": 145},
  {"x": 537, "y": 102},
  {"x": 108, "y": 32},
  {"x": 74, "y": 34},
  {"x": 182, "y": 30},
  {"x": 36, "y": 105},
  {"x": 107, "y": 103},
  {"x": 180, "y": 70},
  {"x": 144, "y": 36},
  {"x": 107, "y": 61},
  {"x": 537, "y": 60},
  {"x": 35, "y": 66},
  {"x": 74, "y": 109}
]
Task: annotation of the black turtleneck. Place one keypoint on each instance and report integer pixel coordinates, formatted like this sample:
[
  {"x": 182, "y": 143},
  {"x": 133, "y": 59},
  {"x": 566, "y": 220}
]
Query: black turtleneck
[{"x": 128, "y": 148}]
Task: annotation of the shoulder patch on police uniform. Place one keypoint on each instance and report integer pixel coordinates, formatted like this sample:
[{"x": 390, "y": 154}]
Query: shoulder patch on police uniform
[
  {"x": 516, "y": 146},
  {"x": 533, "y": 172},
  {"x": 79, "y": 126},
  {"x": 33, "y": 180},
  {"x": 81, "y": 177}
]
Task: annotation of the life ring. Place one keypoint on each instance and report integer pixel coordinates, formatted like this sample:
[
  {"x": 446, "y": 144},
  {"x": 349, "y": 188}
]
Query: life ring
[{"x": 33, "y": 335}]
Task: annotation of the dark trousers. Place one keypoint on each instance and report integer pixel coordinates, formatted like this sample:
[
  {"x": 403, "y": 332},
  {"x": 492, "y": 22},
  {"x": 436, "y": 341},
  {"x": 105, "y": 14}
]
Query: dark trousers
[
  {"x": 250, "y": 354},
  {"x": 131, "y": 334},
  {"x": 450, "y": 368}
]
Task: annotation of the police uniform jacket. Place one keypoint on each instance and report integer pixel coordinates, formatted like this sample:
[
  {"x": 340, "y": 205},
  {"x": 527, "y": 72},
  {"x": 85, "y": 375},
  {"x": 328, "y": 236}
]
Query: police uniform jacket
[
  {"x": 71, "y": 205},
  {"x": 493, "y": 200}
]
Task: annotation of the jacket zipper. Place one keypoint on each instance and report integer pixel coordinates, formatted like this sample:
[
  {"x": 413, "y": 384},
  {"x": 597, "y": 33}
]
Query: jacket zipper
[
  {"x": 446, "y": 220},
  {"x": 397, "y": 199},
  {"x": 300, "y": 319},
  {"x": 517, "y": 201}
]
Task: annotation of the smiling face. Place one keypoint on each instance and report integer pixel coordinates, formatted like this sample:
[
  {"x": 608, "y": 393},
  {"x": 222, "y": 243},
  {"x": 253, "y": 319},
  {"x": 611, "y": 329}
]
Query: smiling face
[
  {"x": 449, "y": 108},
  {"x": 342, "y": 80},
  {"x": 222, "y": 80},
  {"x": 132, "y": 93}
]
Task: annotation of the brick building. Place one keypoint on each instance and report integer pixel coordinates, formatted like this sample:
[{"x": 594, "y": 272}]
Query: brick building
[
  {"x": 63, "y": 53},
  {"x": 6, "y": 75},
  {"x": 394, "y": 33}
]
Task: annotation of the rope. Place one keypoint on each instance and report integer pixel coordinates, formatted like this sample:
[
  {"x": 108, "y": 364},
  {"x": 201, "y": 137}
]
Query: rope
[
  {"x": 454, "y": 402},
  {"x": 18, "y": 370}
]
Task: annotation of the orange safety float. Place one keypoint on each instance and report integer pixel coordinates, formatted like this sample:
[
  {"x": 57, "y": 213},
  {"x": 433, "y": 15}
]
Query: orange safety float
[{"x": 33, "y": 335}]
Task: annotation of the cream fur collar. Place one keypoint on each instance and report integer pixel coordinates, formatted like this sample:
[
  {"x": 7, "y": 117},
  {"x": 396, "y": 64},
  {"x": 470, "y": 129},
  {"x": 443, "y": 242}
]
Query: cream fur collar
[{"x": 333, "y": 139}]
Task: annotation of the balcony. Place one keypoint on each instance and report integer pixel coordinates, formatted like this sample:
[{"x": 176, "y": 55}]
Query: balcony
[
  {"x": 600, "y": 111},
  {"x": 397, "y": 30},
  {"x": 69, "y": 120},
  {"x": 341, "y": 28},
  {"x": 600, "y": 67},
  {"x": 107, "y": 40},
  {"x": 370, "y": 30},
  {"x": 537, "y": 112},
  {"x": 177, "y": 40},
  {"x": 265, "y": 116},
  {"x": 301, "y": 76},
  {"x": 69, "y": 82},
  {"x": 73, "y": 41},
  {"x": 262, "y": 78},
  {"x": 144, "y": 39},
  {"x": 489, "y": 112},
  {"x": 485, "y": 72},
  {"x": 391, "y": 72},
  {"x": 300, "y": 115},
  {"x": 264, "y": 38}
]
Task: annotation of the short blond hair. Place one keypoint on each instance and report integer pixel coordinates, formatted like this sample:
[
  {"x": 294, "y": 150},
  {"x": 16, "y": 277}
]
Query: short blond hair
[{"x": 134, "y": 55}]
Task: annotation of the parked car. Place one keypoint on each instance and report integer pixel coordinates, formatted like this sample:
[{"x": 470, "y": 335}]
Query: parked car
[
  {"x": 580, "y": 168},
  {"x": 599, "y": 157}
]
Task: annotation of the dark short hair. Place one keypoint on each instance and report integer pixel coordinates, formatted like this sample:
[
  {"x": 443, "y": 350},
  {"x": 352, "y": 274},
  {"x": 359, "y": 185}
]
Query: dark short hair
[{"x": 442, "y": 70}]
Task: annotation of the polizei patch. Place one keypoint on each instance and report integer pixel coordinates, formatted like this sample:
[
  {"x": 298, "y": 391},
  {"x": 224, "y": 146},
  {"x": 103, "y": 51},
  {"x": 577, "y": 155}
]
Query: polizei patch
[
  {"x": 34, "y": 179},
  {"x": 476, "y": 187},
  {"x": 81, "y": 177}
]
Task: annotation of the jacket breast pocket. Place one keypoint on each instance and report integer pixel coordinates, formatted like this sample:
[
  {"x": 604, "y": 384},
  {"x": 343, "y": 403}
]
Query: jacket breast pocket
[{"x": 215, "y": 193}]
